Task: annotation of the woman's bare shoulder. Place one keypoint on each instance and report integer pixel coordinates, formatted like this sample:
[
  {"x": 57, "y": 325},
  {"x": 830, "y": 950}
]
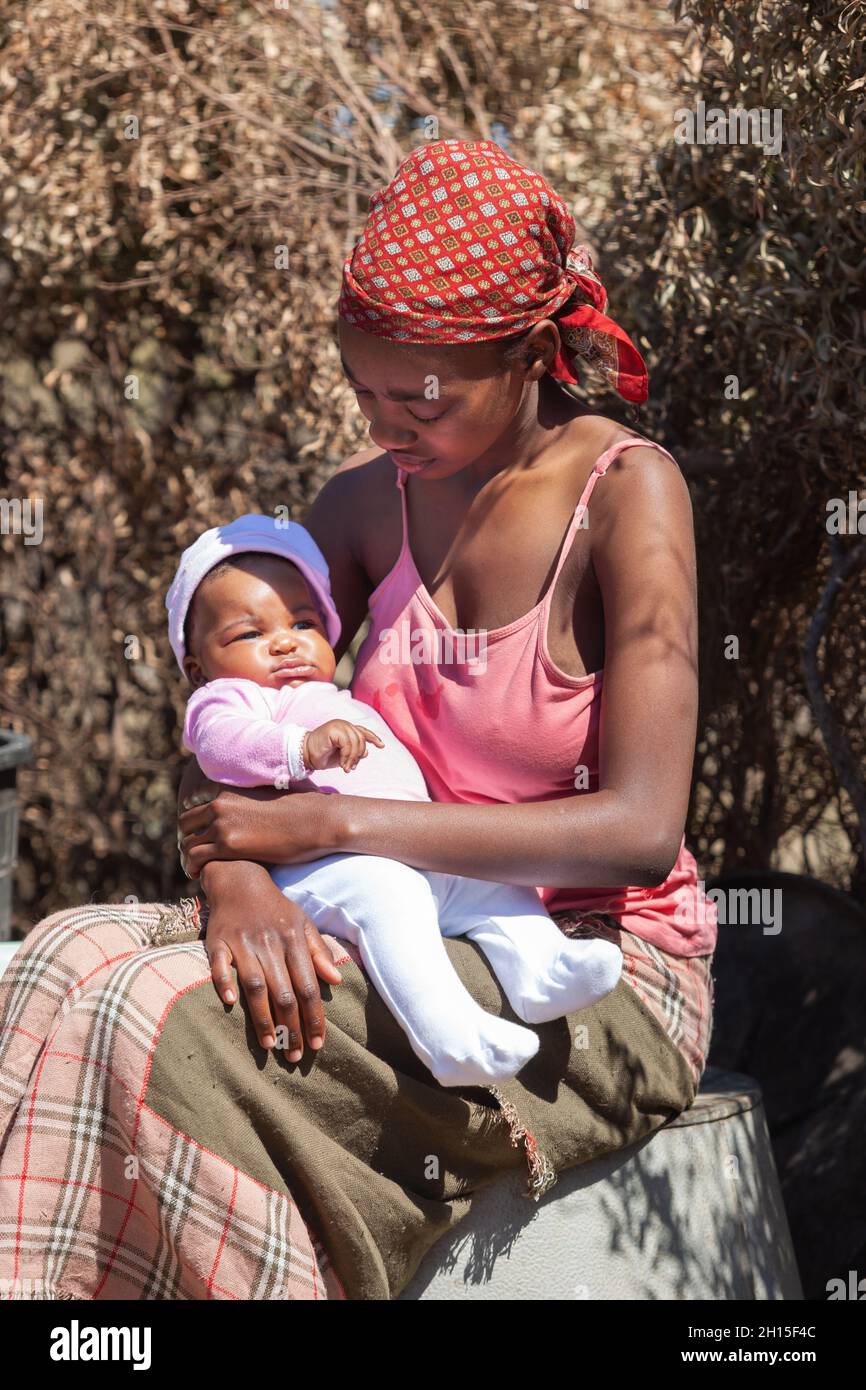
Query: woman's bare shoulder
[
  {"x": 362, "y": 457},
  {"x": 644, "y": 457},
  {"x": 360, "y": 489},
  {"x": 627, "y": 475},
  {"x": 641, "y": 481},
  {"x": 363, "y": 474},
  {"x": 596, "y": 434},
  {"x": 368, "y": 475}
]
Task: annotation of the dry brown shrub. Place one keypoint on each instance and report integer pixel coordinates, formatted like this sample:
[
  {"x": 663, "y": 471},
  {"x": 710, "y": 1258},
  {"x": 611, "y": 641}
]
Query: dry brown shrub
[{"x": 261, "y": 128}]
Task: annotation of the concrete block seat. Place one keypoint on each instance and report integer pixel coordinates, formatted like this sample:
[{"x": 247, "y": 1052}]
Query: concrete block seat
[{"x": 692, "y": 1212}]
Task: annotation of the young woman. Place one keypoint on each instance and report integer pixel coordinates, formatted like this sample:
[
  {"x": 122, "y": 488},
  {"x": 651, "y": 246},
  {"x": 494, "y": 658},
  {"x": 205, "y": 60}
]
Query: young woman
[{"x": 538, "y": 657}]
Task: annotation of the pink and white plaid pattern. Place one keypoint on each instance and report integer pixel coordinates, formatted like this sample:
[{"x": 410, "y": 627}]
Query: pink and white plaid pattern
[
  {"x": 99, "y": 1196},
  {"x": 677, "y": 990}
]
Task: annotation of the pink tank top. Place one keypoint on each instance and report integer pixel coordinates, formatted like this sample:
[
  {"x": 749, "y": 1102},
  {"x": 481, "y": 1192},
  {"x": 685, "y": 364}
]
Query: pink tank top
[{"x": 491, "y": 718}]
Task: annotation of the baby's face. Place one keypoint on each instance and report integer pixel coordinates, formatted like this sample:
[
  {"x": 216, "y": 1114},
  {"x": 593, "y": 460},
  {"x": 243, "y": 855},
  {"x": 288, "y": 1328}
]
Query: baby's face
[{"x": 258, "y": 620}]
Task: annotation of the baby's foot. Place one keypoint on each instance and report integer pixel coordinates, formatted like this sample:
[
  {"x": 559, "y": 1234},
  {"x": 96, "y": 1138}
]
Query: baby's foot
[
  {"x": 581, "y": 973},
  {"x": 484, "y": 1049}
]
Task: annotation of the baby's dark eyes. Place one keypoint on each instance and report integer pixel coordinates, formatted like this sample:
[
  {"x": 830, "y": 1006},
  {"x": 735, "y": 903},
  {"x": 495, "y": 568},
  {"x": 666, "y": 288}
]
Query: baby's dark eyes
[{"x": 255, "y": 632}]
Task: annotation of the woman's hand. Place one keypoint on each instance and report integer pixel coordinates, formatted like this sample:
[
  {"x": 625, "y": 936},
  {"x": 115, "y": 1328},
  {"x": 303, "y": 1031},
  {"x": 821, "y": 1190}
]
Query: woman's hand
[
  {"x": 276, "y": 950},
  {"x": 259, "y": 823}
]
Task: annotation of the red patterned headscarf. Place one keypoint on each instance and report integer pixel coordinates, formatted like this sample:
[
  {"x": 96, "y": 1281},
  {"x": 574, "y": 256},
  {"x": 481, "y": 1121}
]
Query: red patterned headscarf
[{"x": 465, "y": 245}]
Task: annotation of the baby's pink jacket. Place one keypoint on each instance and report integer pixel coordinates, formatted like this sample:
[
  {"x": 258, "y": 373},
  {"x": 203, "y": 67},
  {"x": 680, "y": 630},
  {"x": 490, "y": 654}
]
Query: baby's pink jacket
[{"x": 249, "y": 735}]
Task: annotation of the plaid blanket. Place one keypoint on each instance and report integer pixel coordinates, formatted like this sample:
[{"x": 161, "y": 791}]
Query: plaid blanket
[{"x": 150, "y": 1149}]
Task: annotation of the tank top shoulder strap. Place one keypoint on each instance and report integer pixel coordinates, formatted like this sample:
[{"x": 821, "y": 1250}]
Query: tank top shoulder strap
[
  {"x": 610, "y": 454},
  {"x": 599, "y": 468}
]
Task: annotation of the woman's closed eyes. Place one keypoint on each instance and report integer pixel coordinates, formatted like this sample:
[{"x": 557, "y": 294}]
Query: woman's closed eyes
[{"x": 422, "y": 419}]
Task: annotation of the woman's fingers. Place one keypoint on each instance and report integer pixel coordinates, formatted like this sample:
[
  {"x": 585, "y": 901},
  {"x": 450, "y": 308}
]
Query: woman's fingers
[
  {"x": 254, "y": 983},
  {"x": 196, "y": 818},
  {"x": 279, "y": 958},
  {"x": 279, "y": 977},
  {"x": 197, "y": 857},
  {"x": 197, "y": 833},
  {"x": 323, "y": 961},
  {"x": 211, "y": 835},
  {"x": 305, "y": 984},
  {"x": 220, "y": 959},
  {"x": 289, "y": 1037}
]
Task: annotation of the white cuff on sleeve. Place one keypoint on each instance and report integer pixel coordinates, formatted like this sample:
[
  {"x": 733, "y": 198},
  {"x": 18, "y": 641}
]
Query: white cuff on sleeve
[{"x": 295, "y": 769}]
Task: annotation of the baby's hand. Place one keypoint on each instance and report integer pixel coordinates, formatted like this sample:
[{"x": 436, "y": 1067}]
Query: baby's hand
[{"x": 337, "y": 741}]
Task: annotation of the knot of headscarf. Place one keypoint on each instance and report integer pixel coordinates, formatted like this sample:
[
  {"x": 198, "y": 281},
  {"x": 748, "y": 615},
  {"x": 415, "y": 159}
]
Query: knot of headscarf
[{"x": 465, "y": 245}]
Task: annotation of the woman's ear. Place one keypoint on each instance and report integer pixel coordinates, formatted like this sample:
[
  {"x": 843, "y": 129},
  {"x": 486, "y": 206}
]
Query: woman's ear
[{"x": 540, "y": 349}]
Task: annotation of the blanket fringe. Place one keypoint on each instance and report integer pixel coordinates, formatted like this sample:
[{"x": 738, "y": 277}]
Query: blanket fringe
[
  {"x": 542, "y": 1175},
  {"x": 181, "y": 921}
]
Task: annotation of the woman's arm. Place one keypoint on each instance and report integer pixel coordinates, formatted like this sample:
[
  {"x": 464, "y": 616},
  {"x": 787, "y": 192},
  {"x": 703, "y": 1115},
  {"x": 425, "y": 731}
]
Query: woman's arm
[
  {"x": 276, "y": 950},
  {"x": 626, "y": 833},
  {"x": 335, "y": 523}
]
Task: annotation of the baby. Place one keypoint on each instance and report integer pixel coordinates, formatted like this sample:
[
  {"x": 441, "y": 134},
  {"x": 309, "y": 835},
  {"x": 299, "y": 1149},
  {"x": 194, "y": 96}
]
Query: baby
[{"x": 253, "y": 625}]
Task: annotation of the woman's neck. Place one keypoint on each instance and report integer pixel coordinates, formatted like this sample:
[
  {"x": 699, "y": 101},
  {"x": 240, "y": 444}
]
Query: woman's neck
[{"x": 543, "y": 417}]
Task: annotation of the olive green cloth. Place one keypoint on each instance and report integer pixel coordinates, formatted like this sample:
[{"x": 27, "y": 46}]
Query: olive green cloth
[{"x": 380, "y": 1159}]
